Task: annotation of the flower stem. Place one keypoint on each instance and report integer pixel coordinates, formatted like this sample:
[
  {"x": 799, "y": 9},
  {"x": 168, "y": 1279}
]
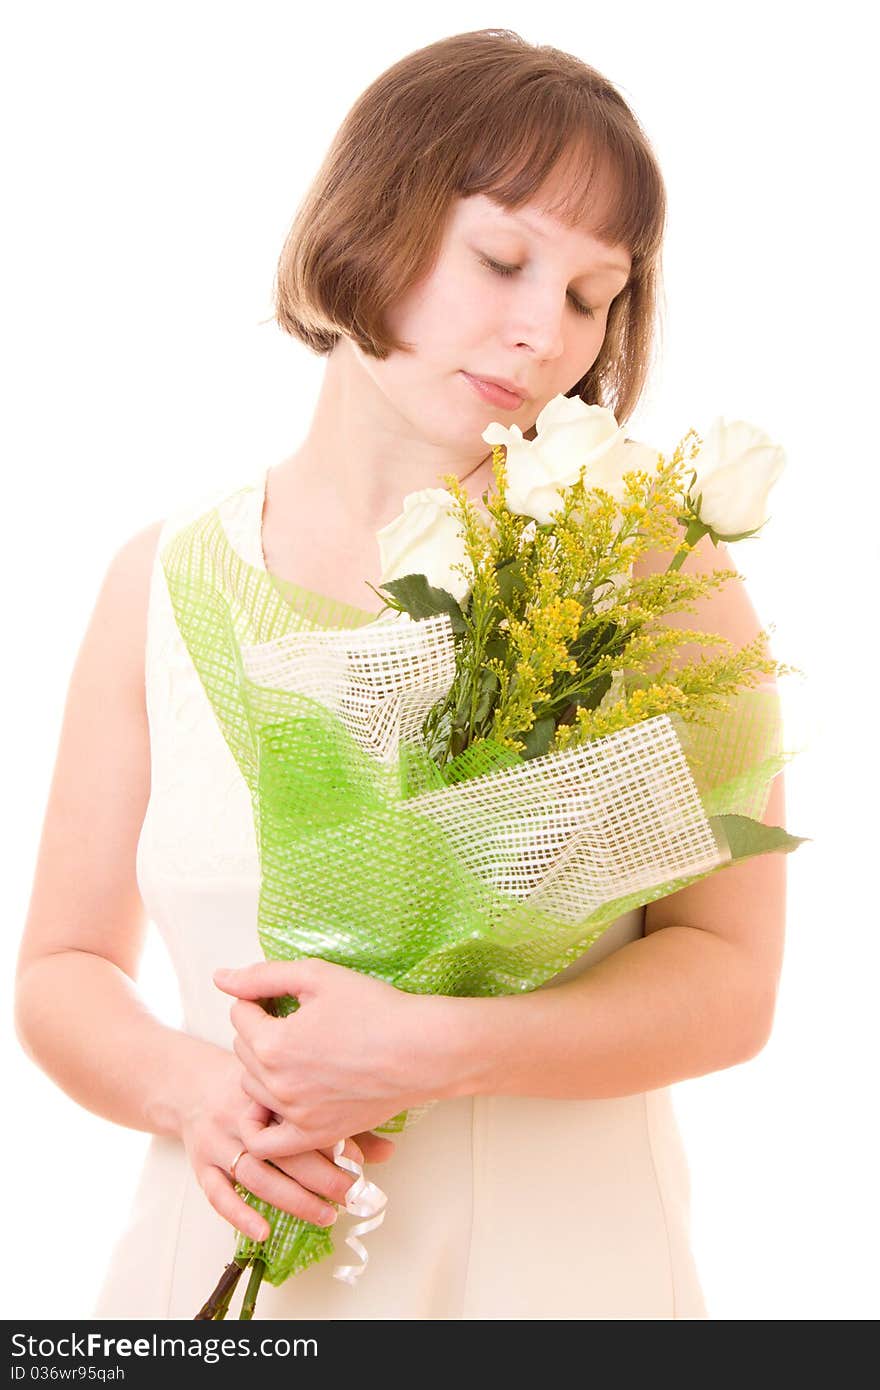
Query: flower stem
[
  {"x": 258, "y": 1268},
  {"x": 226, "y": 1299},
  {"x": 219, "y": 1299},
  {"x": 695, "y": 529}
]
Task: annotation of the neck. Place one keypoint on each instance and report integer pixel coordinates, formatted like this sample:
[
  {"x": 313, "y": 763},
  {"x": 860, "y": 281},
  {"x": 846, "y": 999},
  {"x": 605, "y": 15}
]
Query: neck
[{"x": 364, "y": 458}]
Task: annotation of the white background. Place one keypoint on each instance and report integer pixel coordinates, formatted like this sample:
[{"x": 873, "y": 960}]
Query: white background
[{"x": 154, "y": 157}]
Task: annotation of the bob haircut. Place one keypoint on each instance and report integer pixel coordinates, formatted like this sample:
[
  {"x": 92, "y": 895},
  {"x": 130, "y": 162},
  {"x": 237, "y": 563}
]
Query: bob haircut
[{"x": 480, "y": 112}]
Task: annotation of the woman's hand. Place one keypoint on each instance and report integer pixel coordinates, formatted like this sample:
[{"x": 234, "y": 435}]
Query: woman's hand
[
  {"x": 355, "y": 1053},
  {"x": 220, "y": 1123}
]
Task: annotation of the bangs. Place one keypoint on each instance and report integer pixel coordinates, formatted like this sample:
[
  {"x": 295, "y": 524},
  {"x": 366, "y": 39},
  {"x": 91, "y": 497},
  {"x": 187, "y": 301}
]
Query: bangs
[{"x": 602, "y": 183}]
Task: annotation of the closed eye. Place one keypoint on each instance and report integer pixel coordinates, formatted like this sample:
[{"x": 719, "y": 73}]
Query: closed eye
[{"x": 500, "y": 269}]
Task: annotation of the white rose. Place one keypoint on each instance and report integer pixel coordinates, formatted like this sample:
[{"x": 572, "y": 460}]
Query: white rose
[
  {"x": 425, "y": 539},
  {"x": 627, "y": 456},
  {"x": 736, "y": 468},
  {"x": 570, "y": 434}
]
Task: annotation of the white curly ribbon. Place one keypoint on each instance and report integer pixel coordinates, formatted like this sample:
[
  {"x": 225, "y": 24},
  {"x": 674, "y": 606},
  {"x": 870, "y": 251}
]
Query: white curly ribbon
[{"x": 364, "y": 1198}]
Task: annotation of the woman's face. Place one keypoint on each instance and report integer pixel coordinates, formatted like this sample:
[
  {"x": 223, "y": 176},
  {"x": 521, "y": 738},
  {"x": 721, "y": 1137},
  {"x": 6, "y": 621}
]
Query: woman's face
[{"x": 529, "y": 327}]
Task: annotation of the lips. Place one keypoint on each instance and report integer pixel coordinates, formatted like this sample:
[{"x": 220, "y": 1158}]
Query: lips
[
  {"x": 506, "y": 385},
  {"x": 498, "y": 389}
]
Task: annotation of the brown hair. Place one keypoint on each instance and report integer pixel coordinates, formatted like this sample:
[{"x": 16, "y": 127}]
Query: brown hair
[{"x": 481, "y": 112}]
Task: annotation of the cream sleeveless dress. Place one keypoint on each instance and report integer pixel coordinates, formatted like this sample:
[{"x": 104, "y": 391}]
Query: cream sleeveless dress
[{"x": 499, "y": 1207}]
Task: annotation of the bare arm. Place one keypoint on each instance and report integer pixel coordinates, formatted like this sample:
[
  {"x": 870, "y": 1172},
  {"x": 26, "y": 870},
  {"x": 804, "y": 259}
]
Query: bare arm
[
  {"x": 696, "y": 994},
  {"x": 78, "y": 1013},
  {"x": 682, "y": 1001},
  {"x": 128, "y": 1067}
]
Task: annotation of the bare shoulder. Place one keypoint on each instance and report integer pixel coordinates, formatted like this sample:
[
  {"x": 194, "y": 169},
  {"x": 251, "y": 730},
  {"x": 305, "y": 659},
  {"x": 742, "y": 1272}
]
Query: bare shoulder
[
  {"x": 123, "y": 602},
  {"x": 140, "y": 549}
]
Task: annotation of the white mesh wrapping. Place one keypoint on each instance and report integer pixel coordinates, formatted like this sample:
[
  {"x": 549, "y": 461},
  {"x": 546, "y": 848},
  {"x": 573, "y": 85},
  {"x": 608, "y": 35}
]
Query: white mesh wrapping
[
  {"x": 580, "y": 827},
  {"x": 570, "y": 830},
  {"x": 379, "y": 681}
]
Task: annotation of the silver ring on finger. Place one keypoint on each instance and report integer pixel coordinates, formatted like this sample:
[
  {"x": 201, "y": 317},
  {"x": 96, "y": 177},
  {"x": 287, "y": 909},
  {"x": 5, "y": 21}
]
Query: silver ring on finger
[{"x": 235, "y": 1162}]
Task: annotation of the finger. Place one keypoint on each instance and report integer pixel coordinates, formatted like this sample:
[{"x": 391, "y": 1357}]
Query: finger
[
  {"x": 375, "y": 1148},
  {"x": 251, "y": 1022},
  {"x": 220, "y": 1192},
  {"x": 352, "y": 1150},
  {"x": 271, "y": 1088},
  {"x": 318, "y": 1174},
  {"x": 280, "y": 1141},
  {"x": 258, "y": 1114},
  {"x": 269, "y": 979},
  {"x": 246, "y": 1055},
  {"x": 275, "y": 1186},
  {"x": 262, "y": 1096},
  {"x": 252, "y": 1125}
]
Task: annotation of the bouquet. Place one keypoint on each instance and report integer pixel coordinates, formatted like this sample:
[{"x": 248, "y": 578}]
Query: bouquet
[{"x": 460, "y": 794}]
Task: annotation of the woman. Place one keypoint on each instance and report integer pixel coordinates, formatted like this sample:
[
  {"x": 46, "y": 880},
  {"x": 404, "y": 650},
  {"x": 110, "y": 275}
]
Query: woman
[{"x": 489, "y": 209}]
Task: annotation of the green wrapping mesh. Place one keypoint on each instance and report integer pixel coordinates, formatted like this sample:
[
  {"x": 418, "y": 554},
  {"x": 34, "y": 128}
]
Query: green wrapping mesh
[{"x": 471, "y": 882}]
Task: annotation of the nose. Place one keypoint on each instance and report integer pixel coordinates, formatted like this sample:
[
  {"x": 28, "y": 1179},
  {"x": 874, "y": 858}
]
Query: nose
[{"x": 538, "y": 325}]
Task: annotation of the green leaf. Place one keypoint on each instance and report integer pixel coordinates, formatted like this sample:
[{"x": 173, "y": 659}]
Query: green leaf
[
  {"x": 461, "y": 712},
  {"x": 747, "y": 837},
  {"x": 562, "y": 696},
  {"x": 588, "y": 643},
  {"x": 537, "y": 740},
  {"x": 496, "y": 647},
  {"x": 716, "y": 536},
  {"x": 457, "y": 741},
  {"x": 592, "y": 694},
  {"x": 421, "y": 600},
  {"x": 488, "y": 687},
  {"x": 511, "y": 580}
]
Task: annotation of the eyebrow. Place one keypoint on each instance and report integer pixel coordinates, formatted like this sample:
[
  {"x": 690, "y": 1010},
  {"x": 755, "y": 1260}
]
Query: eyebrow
[{"x": 539, "y": 232}]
